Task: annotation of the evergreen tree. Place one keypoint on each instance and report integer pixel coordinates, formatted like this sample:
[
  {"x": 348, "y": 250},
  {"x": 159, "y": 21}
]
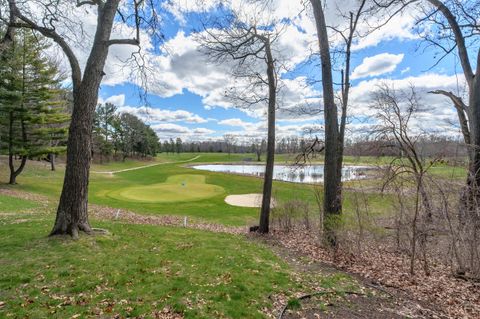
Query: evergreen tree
[
  {"x": 33, "y": 115},
  {"x": 178, "y": 145},
  {"x": 103, "y": 129},
  {"x": 166, "y": 147}
]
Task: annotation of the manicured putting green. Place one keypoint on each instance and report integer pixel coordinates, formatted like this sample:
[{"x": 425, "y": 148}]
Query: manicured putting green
[{"x": 177, "y": 188}]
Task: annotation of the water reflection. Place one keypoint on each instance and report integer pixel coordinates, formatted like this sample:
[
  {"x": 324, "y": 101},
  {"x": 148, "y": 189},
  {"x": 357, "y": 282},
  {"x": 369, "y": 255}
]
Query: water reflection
[{"x": 305, "y": 174}]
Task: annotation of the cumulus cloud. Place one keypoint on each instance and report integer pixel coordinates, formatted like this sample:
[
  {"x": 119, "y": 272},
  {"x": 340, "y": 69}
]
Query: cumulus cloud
[
  {"x": 170, "y": 130},
  {"x": 118, "y": 100},
  {"x": 203, "y": 131},
  {"x": 154, "y": 115},
  {"x": 377, "y": 65},
  {"x": 438, "y": 114},
  {"x": 234, "y": 122},
  {"x": 255, "y": 130}
]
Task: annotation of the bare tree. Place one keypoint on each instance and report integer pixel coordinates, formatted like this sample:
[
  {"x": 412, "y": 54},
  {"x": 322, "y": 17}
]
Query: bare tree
[
  {"x": 46, "y": 18},
  {"x": 258, "y": 147},
  {"x": 248, "y": 43},
  {"x": 335, "y": 127},
  {"x": 394, "y": 111},
  {"x": 454, "y": 27},
  {"x": 230, "y": 141},
  {"x": 332, "y": 185}
]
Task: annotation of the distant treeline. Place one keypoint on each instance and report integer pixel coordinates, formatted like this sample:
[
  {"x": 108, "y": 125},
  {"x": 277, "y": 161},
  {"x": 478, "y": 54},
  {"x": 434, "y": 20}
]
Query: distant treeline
[{"x": 429, "y": 146}]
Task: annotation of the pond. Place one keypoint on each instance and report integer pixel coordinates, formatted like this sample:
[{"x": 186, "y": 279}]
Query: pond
[{"x": 288, "y": 173}]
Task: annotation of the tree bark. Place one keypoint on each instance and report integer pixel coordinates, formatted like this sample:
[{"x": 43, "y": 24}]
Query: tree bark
[
  {"x": 474, "y": 110},
  {"x": 15, "y": 172},
  {"x": 52, "y": 161},
  {"x": 332, "y": 204},
  {"x": 471, "y": 194},
  {"x": 72, "y": 212},
  {"x": 268, "y": 178}
]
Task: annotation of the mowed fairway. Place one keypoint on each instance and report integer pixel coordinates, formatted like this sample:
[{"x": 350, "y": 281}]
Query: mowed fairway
[{"x": 177, "y": 188}]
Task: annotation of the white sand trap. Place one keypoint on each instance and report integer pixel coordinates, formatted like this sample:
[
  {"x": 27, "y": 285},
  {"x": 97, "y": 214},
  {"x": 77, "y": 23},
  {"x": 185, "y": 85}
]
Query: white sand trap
[{"x": 247, "y": 200}]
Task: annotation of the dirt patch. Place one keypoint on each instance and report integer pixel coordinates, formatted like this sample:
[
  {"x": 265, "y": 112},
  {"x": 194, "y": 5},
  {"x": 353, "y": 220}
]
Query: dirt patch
[
  {"x": 115, "y": 214},
  {"x": 24, "y": 195},
  {"x": 247, "y": 200},
  {"x": 440, "y": 294}
]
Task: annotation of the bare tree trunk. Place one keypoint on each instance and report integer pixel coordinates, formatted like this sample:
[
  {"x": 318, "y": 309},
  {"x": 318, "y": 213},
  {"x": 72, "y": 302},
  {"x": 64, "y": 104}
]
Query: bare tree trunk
[
  {"x": 267, "y": 182},
  {"x": 332, "y": 186},
  {"x": 72, "y": 212},
  {"x": 52, "y": 161},
  {"x": 474, "y": 110},
  {"x": 15, "y": 172},
  {"x": 10, "y": 148},
  {"x": 471, "y": 194}
]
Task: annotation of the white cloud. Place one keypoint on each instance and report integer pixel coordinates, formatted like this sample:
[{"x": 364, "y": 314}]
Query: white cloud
[
  {"x": 203, "y": 131},
  {"x": 118, "y": 100},
  {"x": 169, "y": 130},
  {"x": 399, "y": 27},
  {"x": 155, "y": 115},
  {"x": 234, "y": 122},
  {"x": 438, "y": 114},
  {"x": 377, "y": 65}
]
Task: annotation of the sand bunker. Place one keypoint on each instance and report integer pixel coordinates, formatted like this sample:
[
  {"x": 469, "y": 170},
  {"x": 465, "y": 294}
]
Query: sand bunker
[{"x": 247, "y": 200}]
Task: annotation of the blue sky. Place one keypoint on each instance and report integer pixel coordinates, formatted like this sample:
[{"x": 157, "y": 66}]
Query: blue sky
[{"x": 186, "y": 91}]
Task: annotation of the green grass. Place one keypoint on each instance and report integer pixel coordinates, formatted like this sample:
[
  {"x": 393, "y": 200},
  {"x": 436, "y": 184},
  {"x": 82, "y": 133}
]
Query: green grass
[
  {"x": 13, "y": 204},
  {"x": 177, "y": 188},
  {"x": 449, "y": 172},
  {"x": 135, "y": 271},
  {"x": 114, "y": 190}
]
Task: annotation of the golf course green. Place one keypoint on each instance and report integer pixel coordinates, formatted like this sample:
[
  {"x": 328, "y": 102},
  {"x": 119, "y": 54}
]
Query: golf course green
[{"x": 177, "y": 188}]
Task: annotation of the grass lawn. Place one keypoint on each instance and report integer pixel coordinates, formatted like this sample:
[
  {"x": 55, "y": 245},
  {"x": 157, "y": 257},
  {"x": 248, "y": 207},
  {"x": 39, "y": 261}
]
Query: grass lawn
[
  {"x": 13, "y": 204},
  {"x": 139, "y": 270},
  {"x": 135, "y": 270}
]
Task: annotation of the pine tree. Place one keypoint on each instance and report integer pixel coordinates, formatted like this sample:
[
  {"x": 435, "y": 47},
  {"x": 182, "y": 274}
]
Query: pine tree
[
  {"x": 33, "y": 113},
  {"x": 103, "y": 127}
]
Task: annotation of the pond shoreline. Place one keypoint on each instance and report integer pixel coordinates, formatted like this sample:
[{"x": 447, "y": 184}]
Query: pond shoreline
[{"x": 300, "y": 174}]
